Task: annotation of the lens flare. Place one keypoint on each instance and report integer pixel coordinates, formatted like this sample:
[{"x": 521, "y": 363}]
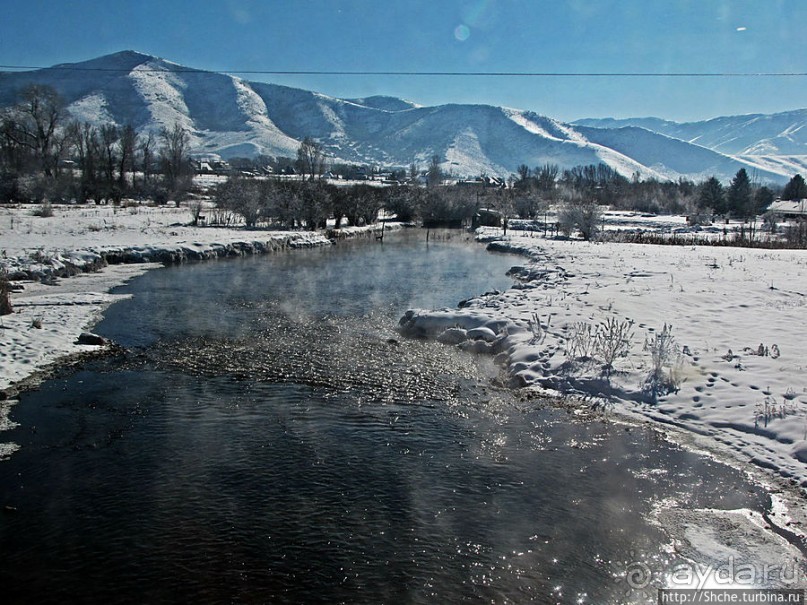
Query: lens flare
[{"x": 462, "y": 32}]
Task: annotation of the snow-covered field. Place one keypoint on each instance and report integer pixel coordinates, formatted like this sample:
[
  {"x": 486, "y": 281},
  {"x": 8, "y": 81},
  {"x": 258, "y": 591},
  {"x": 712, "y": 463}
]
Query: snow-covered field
[{"x": 78, "y": 235}]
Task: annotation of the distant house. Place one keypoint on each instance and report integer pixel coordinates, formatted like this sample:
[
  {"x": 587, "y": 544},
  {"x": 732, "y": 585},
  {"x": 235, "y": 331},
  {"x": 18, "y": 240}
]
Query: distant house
[
  {"x": 485, "y": 217},
  {"x": 210, "y": 166},
  {"x": 789, "y": 209},
  {"x": 487, "y": 182},
  {"x": 220, "y": 166}
]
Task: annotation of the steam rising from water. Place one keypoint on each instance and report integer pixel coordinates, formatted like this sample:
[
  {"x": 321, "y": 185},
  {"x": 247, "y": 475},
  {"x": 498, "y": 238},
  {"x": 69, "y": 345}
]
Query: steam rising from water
[{"x": 360, "y": 355}]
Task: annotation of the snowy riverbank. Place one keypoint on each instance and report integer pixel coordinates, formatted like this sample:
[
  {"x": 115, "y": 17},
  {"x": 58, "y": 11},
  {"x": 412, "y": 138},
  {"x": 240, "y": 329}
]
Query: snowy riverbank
[
  {"x": 100, "y": 248},
  {"x": 733, "y": 371},
  {"x": 81, "y": 238},
  {"x": 730, "y": 367}
]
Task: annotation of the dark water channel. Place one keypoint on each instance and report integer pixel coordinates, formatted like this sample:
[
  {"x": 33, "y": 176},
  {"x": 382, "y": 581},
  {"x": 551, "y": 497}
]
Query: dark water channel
[{"x": 263, "y": 441}]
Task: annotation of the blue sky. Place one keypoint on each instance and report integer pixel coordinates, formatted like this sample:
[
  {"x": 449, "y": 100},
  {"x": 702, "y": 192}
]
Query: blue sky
[{"x": 454, "y": 35}]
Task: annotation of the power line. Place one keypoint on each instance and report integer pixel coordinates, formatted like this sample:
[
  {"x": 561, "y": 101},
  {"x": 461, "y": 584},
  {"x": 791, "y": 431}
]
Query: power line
[{"x": 496, "y": 74}]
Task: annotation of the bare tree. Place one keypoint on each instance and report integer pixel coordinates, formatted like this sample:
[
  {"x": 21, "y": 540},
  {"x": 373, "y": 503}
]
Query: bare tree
[
  {"x": 147, "y": 155},
  {"x": 85, "y": 141},
  {"x": 546, "y": 177},
  {"x": 311, "y": 158},
  {"x": 576, "y": 213},
  {"x": 243, "y": 197},
  {"x": 174, "y": 158},
  {"x": 413, "y": 171},
  {"x": 316, "y": 205},
  {"x": 109, "y": 143},
  {"x": 126, "y": 152},
  {"x": 33, "y": 124},
  {"x": 523, "y": 174},
  {"x": 15, "y": 157}
]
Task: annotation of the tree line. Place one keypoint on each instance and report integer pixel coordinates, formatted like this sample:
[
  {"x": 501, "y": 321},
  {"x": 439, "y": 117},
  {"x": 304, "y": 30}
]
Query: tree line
[
  {"x": 45, "y": 154},
  {"x": 602, "y": 185},
  {"x": 311, "y": 203}
]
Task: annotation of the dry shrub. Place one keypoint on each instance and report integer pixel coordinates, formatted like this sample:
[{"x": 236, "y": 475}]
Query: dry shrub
[{"x": 5, "y": 294}]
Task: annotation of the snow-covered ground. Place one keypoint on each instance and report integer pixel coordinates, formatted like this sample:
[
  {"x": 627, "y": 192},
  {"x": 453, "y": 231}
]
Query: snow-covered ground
[
  {"x": 78, "y": 235},
  {"x": 731, "y": 362}
]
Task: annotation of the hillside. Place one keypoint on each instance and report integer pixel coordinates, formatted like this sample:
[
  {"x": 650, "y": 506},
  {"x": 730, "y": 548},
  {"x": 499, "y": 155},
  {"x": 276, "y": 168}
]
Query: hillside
[{"x": 234, "y": 117}]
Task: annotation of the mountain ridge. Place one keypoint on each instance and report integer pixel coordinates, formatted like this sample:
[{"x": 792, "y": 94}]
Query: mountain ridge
[
  {"x": 746, "y": 134},
  {"x": 232, "y": 116}
]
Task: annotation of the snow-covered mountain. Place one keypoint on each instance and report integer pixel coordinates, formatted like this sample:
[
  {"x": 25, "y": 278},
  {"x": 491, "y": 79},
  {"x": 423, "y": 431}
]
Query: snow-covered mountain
[
  {"x": 756, "y": 134},
  {"x": 775, "y": 142},
  {"x": 234, "y": 117}
]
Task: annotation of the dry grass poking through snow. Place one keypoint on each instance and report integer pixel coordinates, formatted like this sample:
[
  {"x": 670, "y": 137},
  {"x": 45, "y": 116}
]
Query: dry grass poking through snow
[{"x": 713, "y": 340}]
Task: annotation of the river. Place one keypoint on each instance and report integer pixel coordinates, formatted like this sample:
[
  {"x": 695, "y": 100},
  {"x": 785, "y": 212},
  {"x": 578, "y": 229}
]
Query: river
[{"x": 268, "y": 437}]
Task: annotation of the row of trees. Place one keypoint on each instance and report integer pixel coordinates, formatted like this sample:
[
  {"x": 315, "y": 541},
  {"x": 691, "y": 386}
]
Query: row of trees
[
  {"x": 580, "y": 193},
  {"x": 601, "y": 184},
  {"x": 741, "y": 199},
  {"x": 46, "y": 154},
  {"x": 312, "y": 162},
  {"x": 311, "y": 203}
]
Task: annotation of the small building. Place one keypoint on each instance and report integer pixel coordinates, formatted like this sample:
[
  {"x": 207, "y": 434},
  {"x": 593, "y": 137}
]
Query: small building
[
  {"x": 486, "y": 217},
  {"x": 789, "y": 209},
  {"x": 483, "y": 182},
  {"x": 210, "y": 165}
]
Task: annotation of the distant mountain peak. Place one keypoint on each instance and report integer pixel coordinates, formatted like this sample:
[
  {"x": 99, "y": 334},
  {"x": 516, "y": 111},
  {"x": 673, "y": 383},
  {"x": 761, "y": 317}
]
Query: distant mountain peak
[{"x": 125, "y": 60}]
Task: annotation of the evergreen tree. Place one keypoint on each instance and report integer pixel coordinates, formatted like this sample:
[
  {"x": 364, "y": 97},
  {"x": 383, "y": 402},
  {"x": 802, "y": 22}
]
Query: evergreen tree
[
  {"x": 435, "y": 175},
  {"x": 712, "y": 196},
  {"x": 763, "y": 197},
  {"x": 796, "y": 189},
  {"x": 739, "y": 195}
]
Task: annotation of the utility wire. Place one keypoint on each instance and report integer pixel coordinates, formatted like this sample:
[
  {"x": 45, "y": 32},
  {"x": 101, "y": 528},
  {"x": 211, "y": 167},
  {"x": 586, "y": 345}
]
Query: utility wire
[{"x": 505, "y": 74}]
